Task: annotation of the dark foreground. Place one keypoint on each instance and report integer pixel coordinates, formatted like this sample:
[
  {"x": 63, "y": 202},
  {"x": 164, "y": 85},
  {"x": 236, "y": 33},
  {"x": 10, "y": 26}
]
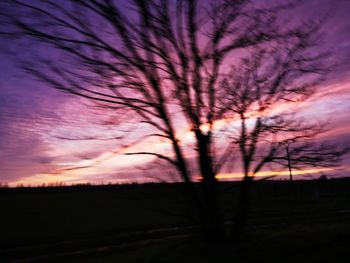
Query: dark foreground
[{"x": 149, "y": 223}]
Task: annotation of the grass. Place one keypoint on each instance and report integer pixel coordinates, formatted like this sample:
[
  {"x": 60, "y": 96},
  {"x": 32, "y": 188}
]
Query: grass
[
  {"x": 314, "y": 226},
  {"x": 36, "y": 216},
  {"x": 320, "y": 243}
]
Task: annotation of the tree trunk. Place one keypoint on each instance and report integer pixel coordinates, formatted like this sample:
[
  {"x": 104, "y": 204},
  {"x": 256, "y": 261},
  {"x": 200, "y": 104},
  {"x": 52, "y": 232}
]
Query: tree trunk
[
  {"x": 212, "y": 218},
  {"x": 191, "y": 192},
  {"x": 240, "y": 217}
]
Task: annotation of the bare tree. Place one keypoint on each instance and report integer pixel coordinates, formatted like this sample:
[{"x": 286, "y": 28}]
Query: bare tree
[
  {"x": 262, "y": 95},
  {"x": 161, "y": 60}
]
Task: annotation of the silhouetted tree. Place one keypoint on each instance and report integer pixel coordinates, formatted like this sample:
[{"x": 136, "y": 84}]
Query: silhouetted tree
[
  {"x": 162, "y": 60},
  {"x": 262, "y": 95}
]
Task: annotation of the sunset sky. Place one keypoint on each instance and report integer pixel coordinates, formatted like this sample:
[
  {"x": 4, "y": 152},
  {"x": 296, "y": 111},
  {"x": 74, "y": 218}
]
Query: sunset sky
[{"x": 36, "y": 122}]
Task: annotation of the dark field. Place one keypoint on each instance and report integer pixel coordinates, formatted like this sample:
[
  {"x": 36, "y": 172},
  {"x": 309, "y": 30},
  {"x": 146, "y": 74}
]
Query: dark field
[{"x": 149, "y": 223}]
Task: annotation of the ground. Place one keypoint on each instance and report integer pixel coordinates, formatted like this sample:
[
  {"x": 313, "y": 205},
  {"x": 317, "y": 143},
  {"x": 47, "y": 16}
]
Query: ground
[{"x": 307, "y": 222}]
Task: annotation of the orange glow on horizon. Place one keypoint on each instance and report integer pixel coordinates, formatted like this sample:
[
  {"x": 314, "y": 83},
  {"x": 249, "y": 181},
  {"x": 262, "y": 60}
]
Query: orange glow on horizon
[
  {"x": 238, "y": 175},
  {"x": 75, "y": 176}
]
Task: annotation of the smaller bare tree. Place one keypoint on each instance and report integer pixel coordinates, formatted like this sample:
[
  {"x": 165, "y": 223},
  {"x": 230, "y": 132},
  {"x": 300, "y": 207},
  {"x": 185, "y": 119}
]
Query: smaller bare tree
[{"x": 263, "y": 96}]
